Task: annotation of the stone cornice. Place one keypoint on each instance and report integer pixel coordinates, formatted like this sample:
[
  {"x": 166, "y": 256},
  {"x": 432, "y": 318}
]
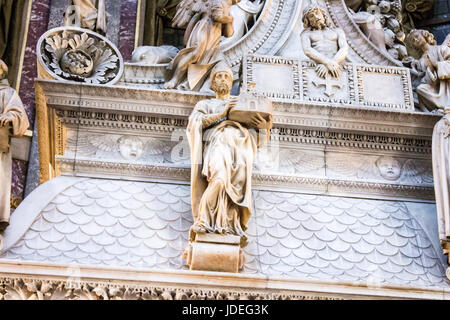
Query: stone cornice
[
  {"x": 33, "y": 280},
  {"x": 139, "y": 101}
]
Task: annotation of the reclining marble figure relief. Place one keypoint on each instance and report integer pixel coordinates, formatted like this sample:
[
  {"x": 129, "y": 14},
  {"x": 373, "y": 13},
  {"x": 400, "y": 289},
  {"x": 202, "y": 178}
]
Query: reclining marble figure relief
[
  {"x": 13, "y": 119},
  {"x": 206, "y": 22},
  {"x": 326, "y": 46},
  {"x": 222, "y": 154}
]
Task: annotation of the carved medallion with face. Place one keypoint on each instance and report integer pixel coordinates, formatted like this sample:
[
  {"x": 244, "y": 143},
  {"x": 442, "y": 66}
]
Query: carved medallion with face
[
  {"x": 130, "y": 147},
  {"x": 389, "y": 168}
]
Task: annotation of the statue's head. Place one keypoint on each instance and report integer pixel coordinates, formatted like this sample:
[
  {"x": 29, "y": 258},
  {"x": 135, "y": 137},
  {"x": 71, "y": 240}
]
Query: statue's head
[
  {"x": 130, "y": 147},
  {"x": 420, "y": 39},
  {"x": 3, "y": 70},
  {"x": 221, "y": 79},
  {"x": 385, "y": 6},
  {"x": 389, "y": 168},
  {"x": 315, "y": 18}
]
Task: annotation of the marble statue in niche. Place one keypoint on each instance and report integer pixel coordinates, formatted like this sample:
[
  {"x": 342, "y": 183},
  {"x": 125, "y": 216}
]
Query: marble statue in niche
[
  {"x": 432, "y": 68},
  {"x": 13, "y": 121},
  {"x": 88, "y": 14},
  {"x": 326, "y": 46},
  {"x": 206, "y": 22},
  {"x": 222, "y": 154}
]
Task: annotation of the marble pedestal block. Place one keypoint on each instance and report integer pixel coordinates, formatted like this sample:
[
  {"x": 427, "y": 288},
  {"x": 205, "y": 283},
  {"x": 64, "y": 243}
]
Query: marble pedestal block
[{"x": 215, "y": 252}]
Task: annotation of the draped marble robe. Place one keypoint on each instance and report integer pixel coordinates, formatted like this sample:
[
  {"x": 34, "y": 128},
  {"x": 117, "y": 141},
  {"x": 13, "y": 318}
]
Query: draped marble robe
[
  {"x": 10, "y": 104},
  {"x": 91, "y": 14},
  {"x": 202, "y": 52},
  {"x": 223, "y": 162},
  {"x": 435, "y": 93},
  {"x": 441, "y": 173}
]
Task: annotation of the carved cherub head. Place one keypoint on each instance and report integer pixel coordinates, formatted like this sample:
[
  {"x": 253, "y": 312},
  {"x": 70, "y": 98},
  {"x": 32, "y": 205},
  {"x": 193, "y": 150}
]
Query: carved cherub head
[
  {"x": 221, "y": 79},
  {"x": 131, "y": 147},
  {"x": 3, "y": 70},
  {"x": 315, "y": 18},
  {"x": 421, "y": 39},
  {"x": 389, "y": 168}
]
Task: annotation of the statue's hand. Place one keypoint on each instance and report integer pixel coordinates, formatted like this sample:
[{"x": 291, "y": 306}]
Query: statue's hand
[
  {"x": 227, "y": 19},
  {"x": 257, "y": 121},
  {"x": 222, "y": 18},
  {"x": 5, "y": 119},
  {"x": 334, "y": 68},
  {"x": 322, "y": 71},
  {"x": 432, "y": 74},
  {"x": 232, "y": 102}
]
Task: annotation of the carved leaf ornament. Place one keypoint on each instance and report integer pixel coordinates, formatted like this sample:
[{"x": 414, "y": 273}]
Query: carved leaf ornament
[{"x": 79, "y": 55}]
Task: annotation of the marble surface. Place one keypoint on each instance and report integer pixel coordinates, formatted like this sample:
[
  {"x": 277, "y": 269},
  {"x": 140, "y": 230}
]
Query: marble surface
[
  {"x": 113, "y": 14},
  {"x": 56, "y": 13},
  {"x": 127, "y": 28},
  {"x": 18, "y": 179}
]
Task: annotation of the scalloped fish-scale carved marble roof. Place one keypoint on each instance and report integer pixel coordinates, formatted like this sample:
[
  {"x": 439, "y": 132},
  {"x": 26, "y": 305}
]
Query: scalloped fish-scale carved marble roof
[{"x": 136, "y": 224}]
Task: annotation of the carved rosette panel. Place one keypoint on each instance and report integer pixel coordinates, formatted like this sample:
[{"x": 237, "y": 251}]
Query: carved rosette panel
[{"x": 80, "y": 55}]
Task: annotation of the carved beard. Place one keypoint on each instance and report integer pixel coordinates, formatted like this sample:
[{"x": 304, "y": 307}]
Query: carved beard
[
  {"x": 318, "y": 25},
  {"x": 221, "y": 88}
]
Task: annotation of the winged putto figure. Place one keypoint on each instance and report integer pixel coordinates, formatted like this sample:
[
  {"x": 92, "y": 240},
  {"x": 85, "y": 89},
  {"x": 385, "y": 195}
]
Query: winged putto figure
[{"x": 206, "y": 21}]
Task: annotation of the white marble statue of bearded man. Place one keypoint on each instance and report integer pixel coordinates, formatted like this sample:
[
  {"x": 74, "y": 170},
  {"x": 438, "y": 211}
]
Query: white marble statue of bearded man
[
  {"x": 13, "y": 116},
  {"x": 222, "y": 154}
]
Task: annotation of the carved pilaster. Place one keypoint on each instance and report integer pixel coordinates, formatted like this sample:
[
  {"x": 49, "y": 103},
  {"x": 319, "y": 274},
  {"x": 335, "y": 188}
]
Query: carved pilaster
[{"x": 46, "y": 171}]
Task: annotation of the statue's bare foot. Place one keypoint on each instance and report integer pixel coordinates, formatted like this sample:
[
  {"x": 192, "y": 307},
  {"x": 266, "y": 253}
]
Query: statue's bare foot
[
  {"x": 196, "y": 228},
  {"x": 170, "y": 85}
]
